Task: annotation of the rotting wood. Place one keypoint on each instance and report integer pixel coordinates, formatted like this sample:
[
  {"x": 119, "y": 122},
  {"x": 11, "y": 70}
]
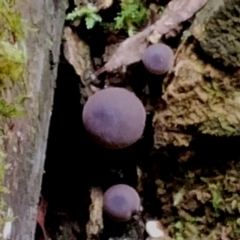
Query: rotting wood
[
  {"x": 201, "y": 95},
  {"x": 95, "y": 224}
]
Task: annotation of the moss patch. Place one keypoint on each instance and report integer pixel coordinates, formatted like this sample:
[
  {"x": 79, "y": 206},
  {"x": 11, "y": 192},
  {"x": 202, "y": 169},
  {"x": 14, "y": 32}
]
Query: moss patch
[
  {"x": 209, "y": 207},
  {"x": 12, "y": 71},
  {"x": 12, "y": 56}
]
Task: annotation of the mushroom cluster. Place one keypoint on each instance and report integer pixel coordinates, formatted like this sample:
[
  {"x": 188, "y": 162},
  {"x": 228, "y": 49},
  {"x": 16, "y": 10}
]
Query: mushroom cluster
[
  {"x": 114, "y": 117},
  {"x": 158, "y": 58},
  {"x": 121, "y": 202}
]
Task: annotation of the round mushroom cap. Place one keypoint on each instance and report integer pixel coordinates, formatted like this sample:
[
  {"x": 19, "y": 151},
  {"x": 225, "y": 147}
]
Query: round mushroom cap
[
  {"x": 158, "y": 58},
  {"x": 120, "y": 202},
  {"x": 114, "y": 117}
]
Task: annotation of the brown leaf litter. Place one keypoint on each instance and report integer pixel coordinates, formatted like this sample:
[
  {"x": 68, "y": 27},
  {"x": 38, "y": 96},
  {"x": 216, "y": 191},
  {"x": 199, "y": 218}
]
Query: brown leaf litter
[{"x": 42, "y": 210}]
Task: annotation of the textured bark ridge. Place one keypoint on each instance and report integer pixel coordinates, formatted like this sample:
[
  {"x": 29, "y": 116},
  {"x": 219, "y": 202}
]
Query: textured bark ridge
[
  {"x": 201, "y": 96},
  {"x": 217, "y": 28},
  {"x": 26, "y": 137}
]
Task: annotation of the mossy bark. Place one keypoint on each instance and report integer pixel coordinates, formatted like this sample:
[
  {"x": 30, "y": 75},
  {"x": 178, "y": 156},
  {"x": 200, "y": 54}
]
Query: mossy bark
[
  {"x": 202, "y": 94},
  {"x": 25, "y": 138}
]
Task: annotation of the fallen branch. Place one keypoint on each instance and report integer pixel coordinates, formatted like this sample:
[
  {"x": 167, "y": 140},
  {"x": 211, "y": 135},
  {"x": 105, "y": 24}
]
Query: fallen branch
[{"x": 131, "y": 50}]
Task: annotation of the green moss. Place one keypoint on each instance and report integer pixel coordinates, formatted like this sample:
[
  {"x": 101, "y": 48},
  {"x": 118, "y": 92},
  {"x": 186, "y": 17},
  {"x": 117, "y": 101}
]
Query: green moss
[
  {"x": 10, "y": 21},
  {"x": 89, "y": 13},
  {"x": 12, "y": 72},
  {"x": 132, "y": 16},
  {"x": 11, "y": 62},
  {"x": 12, "y": 55},
  {"x": 209, "y": 206},
  {"x": 13, "y": 110},
  {"x": 216, "y": 192}
]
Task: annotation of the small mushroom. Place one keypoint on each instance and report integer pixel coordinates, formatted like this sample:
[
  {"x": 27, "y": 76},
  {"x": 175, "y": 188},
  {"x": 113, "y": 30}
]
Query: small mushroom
[
  {"x": 121, "y": 202},
  {"x": 114, "y": 117},
  {"x": 158, "y": 58}
]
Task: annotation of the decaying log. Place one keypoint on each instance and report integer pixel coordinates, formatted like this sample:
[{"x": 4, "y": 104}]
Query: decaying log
[{"x": 202, "y": 94}]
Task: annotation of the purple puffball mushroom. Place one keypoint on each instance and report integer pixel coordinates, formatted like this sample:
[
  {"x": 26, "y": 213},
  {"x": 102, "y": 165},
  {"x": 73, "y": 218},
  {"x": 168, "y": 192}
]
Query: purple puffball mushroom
[
  {"x": 158, "y": 58},
  {"x": 114, "y": 117},
  {"x": 121, "y": 202}
]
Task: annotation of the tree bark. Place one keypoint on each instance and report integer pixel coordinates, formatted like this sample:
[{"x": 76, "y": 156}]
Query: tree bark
[{"x": 26, "y": 138}]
